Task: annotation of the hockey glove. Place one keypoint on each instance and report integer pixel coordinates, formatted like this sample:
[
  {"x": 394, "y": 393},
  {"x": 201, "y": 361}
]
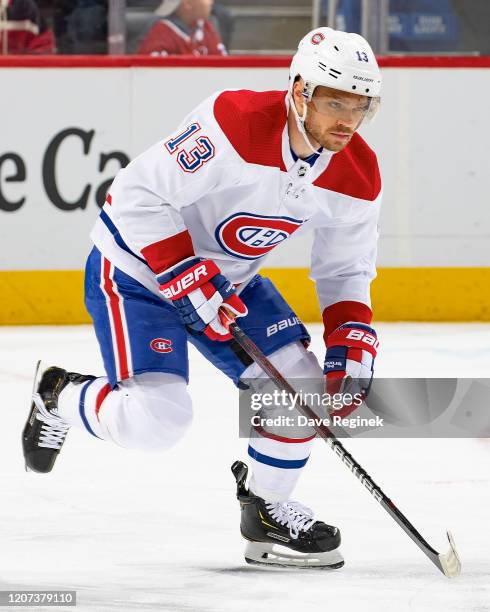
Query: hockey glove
[
  {"x": 351, "y": 351},
  {"x": 198, "y": 290}
]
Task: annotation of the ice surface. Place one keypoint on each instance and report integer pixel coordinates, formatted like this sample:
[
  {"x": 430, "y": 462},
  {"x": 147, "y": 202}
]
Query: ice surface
[{"x": 135, "y": 531}]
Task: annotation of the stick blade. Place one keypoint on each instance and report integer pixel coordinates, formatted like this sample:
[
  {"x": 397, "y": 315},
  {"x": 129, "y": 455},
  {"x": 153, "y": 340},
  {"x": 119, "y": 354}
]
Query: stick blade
[{"x": 450, "y": 562}]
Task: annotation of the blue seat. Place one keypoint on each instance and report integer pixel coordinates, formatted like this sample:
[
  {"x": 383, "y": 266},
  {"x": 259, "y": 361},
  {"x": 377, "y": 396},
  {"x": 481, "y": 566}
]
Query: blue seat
[{"x": 414, "y": 25}]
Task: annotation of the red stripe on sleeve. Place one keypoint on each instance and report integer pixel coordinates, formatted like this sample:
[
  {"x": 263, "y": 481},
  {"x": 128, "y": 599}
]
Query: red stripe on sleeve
[
  {"x": 166, "y": 253},
  {"x": 341, "y": 312}
]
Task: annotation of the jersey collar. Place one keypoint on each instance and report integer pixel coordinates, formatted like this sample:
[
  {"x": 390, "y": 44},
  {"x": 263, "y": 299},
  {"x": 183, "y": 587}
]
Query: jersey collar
[{"x": 299, "y": 169}]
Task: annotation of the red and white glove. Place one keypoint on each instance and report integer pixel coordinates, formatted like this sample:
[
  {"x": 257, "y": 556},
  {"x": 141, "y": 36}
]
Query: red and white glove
[
  {"x": 198, "y": 290},
  {"x": 351, "y": 351}
]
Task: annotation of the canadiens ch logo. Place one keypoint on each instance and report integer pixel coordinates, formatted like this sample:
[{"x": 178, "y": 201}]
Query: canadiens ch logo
[
  {"x": 251, "y": 236},
  {"x": 317, "y": 38},
  {"x": 161, "y": 345}
]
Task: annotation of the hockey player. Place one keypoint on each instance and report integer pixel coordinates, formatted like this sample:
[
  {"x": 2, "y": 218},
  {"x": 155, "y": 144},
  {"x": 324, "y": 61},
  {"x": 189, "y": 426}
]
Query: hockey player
[{"x": 183, "y": 232}]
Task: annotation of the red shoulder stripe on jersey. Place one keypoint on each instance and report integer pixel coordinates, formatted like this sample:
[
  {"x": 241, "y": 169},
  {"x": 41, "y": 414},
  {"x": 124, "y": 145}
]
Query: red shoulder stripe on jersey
[
  {"x": 353, "y": 171},
  {"x": 109, "y": 199},
  {"x": 341, "y": 312},
  {"x": 253, "y": 122},
  {"x": 166, "y": 253}
]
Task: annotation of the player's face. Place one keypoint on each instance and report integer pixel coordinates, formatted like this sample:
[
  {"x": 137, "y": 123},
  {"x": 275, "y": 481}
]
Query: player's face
[
  {"x": 201, "y": 9},
  {"x": 333, "y": 117}
]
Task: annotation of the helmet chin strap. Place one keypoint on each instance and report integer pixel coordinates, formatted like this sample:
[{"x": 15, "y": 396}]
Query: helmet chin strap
[{"x": 300, "y": 121}]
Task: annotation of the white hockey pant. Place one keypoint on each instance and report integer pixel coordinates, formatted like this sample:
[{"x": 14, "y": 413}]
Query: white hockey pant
[{"x": 153, "y": 411}]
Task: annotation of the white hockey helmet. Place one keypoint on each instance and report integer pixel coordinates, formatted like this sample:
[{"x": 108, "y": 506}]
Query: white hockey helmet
[
  {"x": 341, "y": 60},
  {"x": 167, "y": 7}
]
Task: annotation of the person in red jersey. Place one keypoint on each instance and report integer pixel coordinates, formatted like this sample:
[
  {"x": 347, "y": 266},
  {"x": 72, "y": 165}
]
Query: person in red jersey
[
  {"x": 185, "y": 30},
  {"x": 23, "y": 29}
]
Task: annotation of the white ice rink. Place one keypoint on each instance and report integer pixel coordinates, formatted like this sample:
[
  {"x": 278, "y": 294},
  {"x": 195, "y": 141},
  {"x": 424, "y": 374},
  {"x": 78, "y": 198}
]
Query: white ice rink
[{"x": 131, "y": 531}]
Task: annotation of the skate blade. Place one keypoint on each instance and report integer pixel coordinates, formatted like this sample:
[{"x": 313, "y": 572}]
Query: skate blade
[
  {"x": 40, "y": 369},
  {"x": 263, "y": 553}
]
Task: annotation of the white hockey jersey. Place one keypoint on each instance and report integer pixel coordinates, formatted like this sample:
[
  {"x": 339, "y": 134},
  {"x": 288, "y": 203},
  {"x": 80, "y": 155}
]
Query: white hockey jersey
[{"x": 226, "y": 187}]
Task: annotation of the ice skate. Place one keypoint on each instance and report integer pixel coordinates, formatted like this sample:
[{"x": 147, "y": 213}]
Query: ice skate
[
  {"x": 45, "y": 431},
  {"x": 284, "y": 534}
]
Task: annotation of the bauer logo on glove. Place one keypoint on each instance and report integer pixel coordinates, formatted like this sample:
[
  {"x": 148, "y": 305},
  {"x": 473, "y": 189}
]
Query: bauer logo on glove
[
  {"x": 358, "y": 334},
  {"x": 198, "y": 290},
  {"x": 180, "y": 284},
  {"x": 351, "y": 351}
]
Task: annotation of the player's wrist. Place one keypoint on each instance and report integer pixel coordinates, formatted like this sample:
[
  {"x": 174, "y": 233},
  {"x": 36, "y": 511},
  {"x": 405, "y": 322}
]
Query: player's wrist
[
  {"x": 178, "y": 267},
  {"x": 351, "y": 351},
  {"x": 339, "y": 313},
  {"x": 354, "y": 334}
]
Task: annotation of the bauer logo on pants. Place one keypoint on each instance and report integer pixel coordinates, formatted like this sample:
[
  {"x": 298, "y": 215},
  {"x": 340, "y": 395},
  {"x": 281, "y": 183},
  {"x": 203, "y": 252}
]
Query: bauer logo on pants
[
  {"x": 161, "y": 345},
  {"x": 252, "y": 236}
]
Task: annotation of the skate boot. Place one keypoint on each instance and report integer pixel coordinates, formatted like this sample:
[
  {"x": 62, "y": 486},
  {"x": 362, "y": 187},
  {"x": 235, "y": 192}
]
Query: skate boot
[
  {"x": 45, "y": 431},
  {"x": 284, "y": 534}
]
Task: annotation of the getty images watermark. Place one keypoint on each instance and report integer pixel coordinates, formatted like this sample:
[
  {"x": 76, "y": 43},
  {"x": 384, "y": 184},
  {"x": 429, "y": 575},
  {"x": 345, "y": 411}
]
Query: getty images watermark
[
  {"x": 395, "y": 408},
  {"x": 281, "y": 399}
]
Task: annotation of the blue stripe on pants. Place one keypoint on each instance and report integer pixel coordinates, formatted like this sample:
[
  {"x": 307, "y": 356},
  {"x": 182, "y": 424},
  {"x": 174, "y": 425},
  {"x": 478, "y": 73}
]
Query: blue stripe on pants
[
  {"x": 82, "y": 407},
  {"x": 287, "y": 464}
]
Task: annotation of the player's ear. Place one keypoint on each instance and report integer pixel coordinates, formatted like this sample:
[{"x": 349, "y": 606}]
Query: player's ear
[{"x": 299, "y": 100}]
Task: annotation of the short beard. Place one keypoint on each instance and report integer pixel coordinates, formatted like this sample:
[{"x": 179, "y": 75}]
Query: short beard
[{"x": 321, "y": 141}]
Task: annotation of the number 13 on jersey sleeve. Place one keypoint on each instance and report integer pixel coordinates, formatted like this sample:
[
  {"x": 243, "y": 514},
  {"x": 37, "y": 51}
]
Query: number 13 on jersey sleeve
[{"x": 191, "y": 158}]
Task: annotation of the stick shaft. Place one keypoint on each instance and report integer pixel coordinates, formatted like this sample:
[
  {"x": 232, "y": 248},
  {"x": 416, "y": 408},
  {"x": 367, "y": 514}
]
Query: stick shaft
[{"x": 324, "y": 432}]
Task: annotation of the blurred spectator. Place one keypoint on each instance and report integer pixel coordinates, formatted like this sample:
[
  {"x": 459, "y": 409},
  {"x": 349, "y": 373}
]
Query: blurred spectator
[
  {"x": 184, "y": 29},
  {"x": 81, "y": 26},
  {"x": 23, "y": 30}
]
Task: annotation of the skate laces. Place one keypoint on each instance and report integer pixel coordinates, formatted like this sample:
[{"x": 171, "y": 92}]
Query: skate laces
[
  {"x": 53, "y": 430},
  {"x": 293, "y": 515}
]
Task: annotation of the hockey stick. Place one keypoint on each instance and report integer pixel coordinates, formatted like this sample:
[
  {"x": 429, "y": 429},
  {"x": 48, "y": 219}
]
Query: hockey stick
[{"x": 448, "y": 563}]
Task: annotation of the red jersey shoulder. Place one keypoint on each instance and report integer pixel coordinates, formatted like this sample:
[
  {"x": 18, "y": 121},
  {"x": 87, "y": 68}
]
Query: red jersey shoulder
[
  {"x": 253, "y": 122},
  {"x": 353, "y": 171},
  {"x": 164, "y": 37}
]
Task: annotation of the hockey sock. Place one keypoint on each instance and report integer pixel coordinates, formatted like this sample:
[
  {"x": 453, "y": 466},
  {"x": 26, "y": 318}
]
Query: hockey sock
[
  {"x": 276, "y": 465},
  {"x": 79, "y": 405}
]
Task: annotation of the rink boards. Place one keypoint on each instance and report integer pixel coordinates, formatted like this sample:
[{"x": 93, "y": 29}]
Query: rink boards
[{"x": 57, "y": 161}]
